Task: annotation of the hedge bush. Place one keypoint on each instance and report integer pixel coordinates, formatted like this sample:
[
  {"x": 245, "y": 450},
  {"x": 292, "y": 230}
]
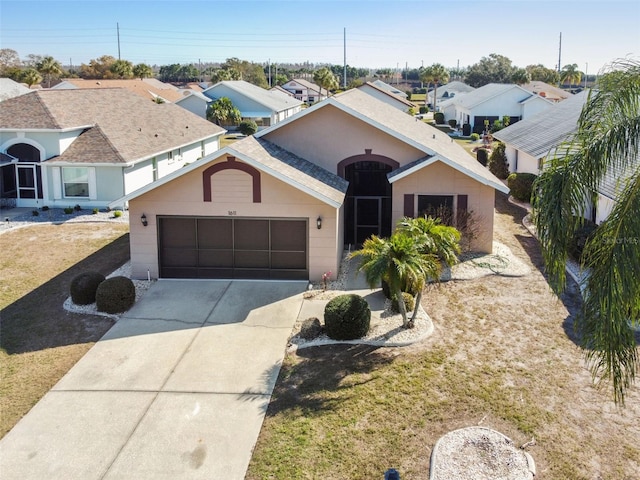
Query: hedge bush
[
  {"x": 579, "y": 240},
  {"x": 439, "y": 118},
  {"x": 452, "y": 122},
  {"x": 521, "y": 185},
  {"x": 498, "y": 162},
  {"x": 347, "y": 317},
  {"x": 466, "y": 130},
  {"x": 248, "y": 127},
  {"x": 483, "y": 156},
  {"x": 83, "y": 287},
  {"x": 423, "y": 109},
  {"x": 474, "y": 136},
  {"x": 115, "y": 295}
]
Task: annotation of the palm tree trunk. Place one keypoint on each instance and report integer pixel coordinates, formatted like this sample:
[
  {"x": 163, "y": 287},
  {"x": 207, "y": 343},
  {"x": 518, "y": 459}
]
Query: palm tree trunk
[
  {"x": 412, "y": 322},
  {"x": 402, "y": 308}
]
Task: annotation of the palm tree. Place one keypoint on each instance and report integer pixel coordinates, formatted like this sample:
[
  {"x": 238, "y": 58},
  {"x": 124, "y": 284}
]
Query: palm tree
[
  {"x": 607, "y": 139},
  {"x": 223, "y": 111},
  {"x": 571, "y": 74},
  {"x": 49, "y": 66},
  {"x": 399, "y": 262},
  {"x": 31, "y": 76},
  {"x": 122, "y": 69},
  {"x": 437, "y": 242},
  {"x": 142, "y": 71},
  {"x": 325, "y": 79},
  {"x": 435, "y": 74}
]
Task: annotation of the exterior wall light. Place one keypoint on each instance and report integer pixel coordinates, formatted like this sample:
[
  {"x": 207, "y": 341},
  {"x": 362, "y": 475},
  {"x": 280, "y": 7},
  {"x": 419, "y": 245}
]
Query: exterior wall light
[
  {"x": 319, "y": 222},
  {"x": 143, "y": 219}
]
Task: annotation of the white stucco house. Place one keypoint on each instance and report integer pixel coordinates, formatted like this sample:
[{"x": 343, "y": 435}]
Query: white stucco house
[
  {"x": 87, "y": 147},
  {"x": 493, "y": 102},
  {"x": 265, "y": 107},
  {"x": 305, "y": 91}
]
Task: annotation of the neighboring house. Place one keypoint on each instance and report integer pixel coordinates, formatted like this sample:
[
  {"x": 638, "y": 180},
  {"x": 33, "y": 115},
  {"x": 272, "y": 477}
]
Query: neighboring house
[
  {"x": 449, "y": 90},
  {"x": 285, "y": 202},
  {"x": 196, "y": 102},
  {"x": 390, "y": 88},
  {"x": 278, "y": 88},
  {"x": 493, "y": 102},
  {"x": 149, "y": 88},
  {"x": 305, "y": 91},
  {"x": 264, "y": 107},
  {"x": 529, "y": 142},
  {"x": 89, "y": 147},
  {"x": 386, "y": 96},
  {"x": 10, "y": 89},
  {"x": 547, "y": 91}
]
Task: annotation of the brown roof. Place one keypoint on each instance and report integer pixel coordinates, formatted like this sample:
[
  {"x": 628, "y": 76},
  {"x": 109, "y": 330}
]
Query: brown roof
[
  {"x": 149, "y": 88},
  {"x": 132, "y": 127}
]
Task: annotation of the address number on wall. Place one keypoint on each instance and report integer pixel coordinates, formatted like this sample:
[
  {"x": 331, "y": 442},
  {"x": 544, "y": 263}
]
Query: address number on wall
[{"x": 232, "y": 212}]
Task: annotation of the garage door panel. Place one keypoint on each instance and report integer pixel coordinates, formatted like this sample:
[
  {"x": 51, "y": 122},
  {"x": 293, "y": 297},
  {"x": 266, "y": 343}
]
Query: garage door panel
[
  {"x": 288, "y": 260},
  {"x": 251, "y": 234},
  {"x": 215, "y": 258},
  {"x": 288, "y": 235},
  {"x": 179, "y": 272},
  {"x": 215, "y": 233},
  {"x": 251, "y": 259},
  {"x": 215, "y": 273},
  {"x": 251, "y": 273},
  {"x": 178, "y": 232},
  {"x": 180, "y": 257},
  {"x": 288, "y": 275}
]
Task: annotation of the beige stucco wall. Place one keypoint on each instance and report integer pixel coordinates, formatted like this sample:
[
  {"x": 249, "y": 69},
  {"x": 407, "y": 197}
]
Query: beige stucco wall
[
  {"x": 328, "y": 135},
  {"x": 184, "y": 196},
  {"x": 440, "y": 179}
]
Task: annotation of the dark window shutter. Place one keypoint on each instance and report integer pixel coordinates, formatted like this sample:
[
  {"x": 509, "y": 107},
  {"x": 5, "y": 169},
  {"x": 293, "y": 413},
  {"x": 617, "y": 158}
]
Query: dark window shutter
[{"x": 408, "y": 205}]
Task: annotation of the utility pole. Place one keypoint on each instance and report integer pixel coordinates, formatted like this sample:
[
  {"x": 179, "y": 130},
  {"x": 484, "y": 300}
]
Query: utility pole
[
  {"x": 559, "y": 56},
  {"x": 586, "y": 68},
  {"x": 344, "y": 74},
  {"x": 269, "y": 63},
  {"x": 118, "y": 30}
]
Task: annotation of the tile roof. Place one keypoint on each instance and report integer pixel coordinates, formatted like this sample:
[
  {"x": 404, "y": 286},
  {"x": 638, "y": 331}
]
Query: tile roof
[
  {"x": 148, "y": 88},
  {"x": 135, "y": 128},
  {"x": 274, "y": 101},
  {"x": 545, "y": 130}
]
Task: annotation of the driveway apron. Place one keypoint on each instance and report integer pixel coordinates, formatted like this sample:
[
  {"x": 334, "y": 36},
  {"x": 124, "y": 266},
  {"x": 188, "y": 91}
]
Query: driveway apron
[{"x": 178, "y": 388}]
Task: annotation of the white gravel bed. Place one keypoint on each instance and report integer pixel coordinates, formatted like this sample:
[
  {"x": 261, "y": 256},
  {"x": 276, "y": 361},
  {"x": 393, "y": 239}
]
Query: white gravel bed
[
  {"x": 124, "y": 271},
  {"x": 476, "y": 265},
  {"x": 479, "y": 453},
  {"x": 57, "y": 215}
]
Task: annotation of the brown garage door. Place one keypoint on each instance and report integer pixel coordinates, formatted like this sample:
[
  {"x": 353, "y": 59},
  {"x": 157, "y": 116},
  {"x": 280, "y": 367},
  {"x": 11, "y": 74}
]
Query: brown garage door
[{"x": 265, "y": 248}]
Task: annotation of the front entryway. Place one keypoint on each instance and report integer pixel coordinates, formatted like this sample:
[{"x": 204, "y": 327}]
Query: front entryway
[
  {"x": 21, "y": 176},
  {"x": 212, "y": 247}
]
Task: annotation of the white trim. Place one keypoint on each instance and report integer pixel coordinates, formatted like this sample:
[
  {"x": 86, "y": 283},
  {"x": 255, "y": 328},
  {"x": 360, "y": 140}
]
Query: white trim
[
  {"x": 56, "y": 178},
  {"x": 93, "y": 184},
  {"x": 46, "y": 130},
  {"x": 16, "y": 140}
]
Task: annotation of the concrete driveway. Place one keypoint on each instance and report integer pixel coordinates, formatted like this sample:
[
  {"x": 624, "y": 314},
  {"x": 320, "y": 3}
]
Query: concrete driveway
[{"x": 178, "y": 388}]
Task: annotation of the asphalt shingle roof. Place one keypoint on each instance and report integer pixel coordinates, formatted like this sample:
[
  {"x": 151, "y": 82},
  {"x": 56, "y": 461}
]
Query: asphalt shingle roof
[
  {"x": 274, "y": 101},
  {"x": 134, "y": 127},
  {"x": 543, "y": 131},
  {"x": 486, "y": 92}
]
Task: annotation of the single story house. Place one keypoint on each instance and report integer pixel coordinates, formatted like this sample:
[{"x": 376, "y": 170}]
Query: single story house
[
  {"x": 305, "y": 91},
  {"x": 286, "y": 202},
  {"x": 397, "y": 101},
  {"x": 264, "y": 107},
  {"x": 530, "y": 141},
  {"x": 493, "y": 102},
  {"x": 449, "y": 90},
  {"x": 88, "y": 147},
  {"x": 149, "y": 88}
]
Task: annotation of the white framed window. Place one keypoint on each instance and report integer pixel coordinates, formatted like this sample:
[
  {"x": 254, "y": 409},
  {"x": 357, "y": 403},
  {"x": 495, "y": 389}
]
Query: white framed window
[
  {"x": 202, "y": 149},
  {"x": 75, "y": 182},
  {"x": 154, "y": 168},
  {"x": 170, "y": 157}
]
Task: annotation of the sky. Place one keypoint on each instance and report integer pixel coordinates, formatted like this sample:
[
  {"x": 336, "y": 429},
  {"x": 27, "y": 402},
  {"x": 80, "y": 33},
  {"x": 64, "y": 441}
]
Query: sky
[{"x": 379, "y": 33}]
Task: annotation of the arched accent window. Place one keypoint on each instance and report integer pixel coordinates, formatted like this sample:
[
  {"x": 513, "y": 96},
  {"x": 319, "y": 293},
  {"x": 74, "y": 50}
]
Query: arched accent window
[
  {"x": 25, "y": 150},
  {"x": 231, "y": 164},
  {"x": 366, "y": 157}
]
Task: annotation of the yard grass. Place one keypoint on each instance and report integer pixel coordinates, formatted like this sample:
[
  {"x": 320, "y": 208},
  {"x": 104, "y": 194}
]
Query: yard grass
[
  {"x": 39, "y": 340},
  {"x": 503, "y": 355}
]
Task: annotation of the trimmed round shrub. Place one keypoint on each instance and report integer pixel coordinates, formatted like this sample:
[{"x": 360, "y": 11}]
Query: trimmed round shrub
[
  {"x": 452, "y": 122},
  {"x": 347, "y": 317},
  {"x": 84, "y": 287},
  {"x": 483, "y": 156},
  {"x": 439, "y": 118},
  {"x": 115, "y": 295},
  {"x": 248, "y": 127},
  {"x": 466, "y": 130},
  {"x": 423, "y": 109},
  {"x": 521, "y": 185},
  {"x": 409, "y": 303},
  {"x": 474, "y": 136}
]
